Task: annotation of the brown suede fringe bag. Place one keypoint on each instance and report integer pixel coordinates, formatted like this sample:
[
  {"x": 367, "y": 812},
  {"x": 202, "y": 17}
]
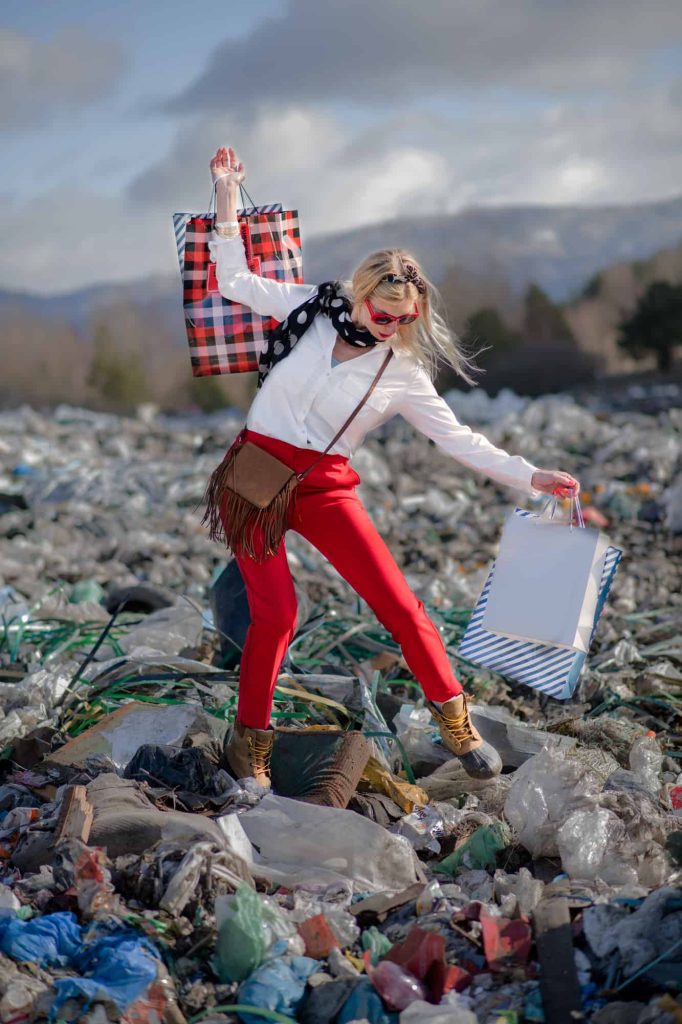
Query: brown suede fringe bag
[{"x": 256, "y": 491}]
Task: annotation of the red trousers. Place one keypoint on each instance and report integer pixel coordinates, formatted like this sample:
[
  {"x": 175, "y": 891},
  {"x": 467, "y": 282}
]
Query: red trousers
[{"x": 329, "y": 514}]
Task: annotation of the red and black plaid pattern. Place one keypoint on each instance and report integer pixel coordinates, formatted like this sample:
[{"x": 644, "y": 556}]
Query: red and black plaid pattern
[{"x": 224, "y": 336}]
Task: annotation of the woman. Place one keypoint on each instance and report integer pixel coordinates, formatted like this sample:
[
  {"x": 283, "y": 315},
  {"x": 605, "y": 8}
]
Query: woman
[{"x": 314, "y": 371}]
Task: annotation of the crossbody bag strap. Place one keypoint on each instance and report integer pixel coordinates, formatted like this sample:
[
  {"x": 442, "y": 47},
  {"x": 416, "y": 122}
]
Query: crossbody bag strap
[{"x": 352, "y": 416}]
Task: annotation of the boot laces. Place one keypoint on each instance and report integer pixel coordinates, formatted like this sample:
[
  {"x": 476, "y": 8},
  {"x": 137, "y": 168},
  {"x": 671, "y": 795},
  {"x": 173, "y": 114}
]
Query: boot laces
[
  {"x": 260, "y": 752},
  {"x": 459, "y": 726}
]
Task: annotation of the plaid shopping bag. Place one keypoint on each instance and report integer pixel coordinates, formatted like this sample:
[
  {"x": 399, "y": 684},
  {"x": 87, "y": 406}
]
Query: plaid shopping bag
[
  {"x": 224, "y": 336},
  {"x": 552, "y": 670}
]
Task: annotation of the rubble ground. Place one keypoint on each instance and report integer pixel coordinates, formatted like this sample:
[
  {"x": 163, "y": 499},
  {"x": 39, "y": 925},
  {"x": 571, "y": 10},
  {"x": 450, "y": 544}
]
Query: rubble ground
[{"x": 140, "y": 882}]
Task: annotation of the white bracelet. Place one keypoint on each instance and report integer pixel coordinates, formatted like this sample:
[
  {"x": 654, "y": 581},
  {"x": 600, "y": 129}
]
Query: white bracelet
[{"x": 226, "y": 224}]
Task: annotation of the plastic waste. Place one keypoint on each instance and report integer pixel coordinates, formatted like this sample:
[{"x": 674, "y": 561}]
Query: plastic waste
[
  {"x": 9, "y": 904},
  {"x": 376, "y": 943},
  {"x": 276, "y": 985},
  {"x": 421, "y": 828},
  {"x": 676, "y": 800},
  {"x": 584, "y": 838},
  {"x": 332, "y": 902},
  {"x": 119, "y": 967},
  {"x": 521, "y": 888},
  {"x": 640, "y": 936},
  {"x": 203, "y": 862},
  {"x": 428, "y": 898},
  {"x": 23, "y": 998},
  {"x": 514, "y": 740},
  {"x": 249, "y": 927},
  {"x": 86, "y": 590},
  {"x": 396, "y": 986},
  {"x": 300, "y": 843},
  {"x": 451, "y": 1010},
  {"x": 646, "y": 759},
  {"x": 415, "y": 728},
  {"x": 629, "y": 782},
  {"x": 53, "y": 939},
  {"x": 365, "y": 1004},
  {"x": 166, "y": 631},
  {"x": 318, "y": 937},
  {"x": 340, "y": 966},
  {"x": 119, "y": 735},
  {"x": 188, "y": 769},
  {"x": 85, "y": 870},
  {"x": 409, "y": 798},
  {"x": 479, "y": 850},
  {"x": 542, "y": 791}
]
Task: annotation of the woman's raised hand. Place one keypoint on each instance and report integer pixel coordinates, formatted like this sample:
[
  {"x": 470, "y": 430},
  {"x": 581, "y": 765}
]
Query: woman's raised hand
[{"x": 226, "y": 167}]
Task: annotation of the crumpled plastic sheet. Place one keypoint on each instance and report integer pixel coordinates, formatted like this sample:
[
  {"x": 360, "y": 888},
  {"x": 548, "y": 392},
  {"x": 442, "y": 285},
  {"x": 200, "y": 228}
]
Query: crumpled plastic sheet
[{"x": 299, "y": 841}]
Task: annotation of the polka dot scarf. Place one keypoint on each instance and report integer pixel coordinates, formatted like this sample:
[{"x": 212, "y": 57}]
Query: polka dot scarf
[{"x": 329, "y": 301}]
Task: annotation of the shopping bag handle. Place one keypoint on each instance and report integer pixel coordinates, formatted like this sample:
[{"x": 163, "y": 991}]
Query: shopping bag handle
[
  {"x": 575, "y": 508},
  {"x": 243, "y": 195},
  {"x": 213, "y": 202}
]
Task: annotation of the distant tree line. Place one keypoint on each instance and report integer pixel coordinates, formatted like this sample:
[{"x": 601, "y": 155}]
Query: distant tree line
[
  {"x": 531, "y": 344},
  {"x": 542, "y": 353},
  {"x": 123, "y": 359}
]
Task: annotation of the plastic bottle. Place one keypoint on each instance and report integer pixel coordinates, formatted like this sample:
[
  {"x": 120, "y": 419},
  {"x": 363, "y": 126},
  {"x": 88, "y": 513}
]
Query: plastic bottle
[
  {"x": 646, "y": 759},
  {"x": 396, "y": 986}
]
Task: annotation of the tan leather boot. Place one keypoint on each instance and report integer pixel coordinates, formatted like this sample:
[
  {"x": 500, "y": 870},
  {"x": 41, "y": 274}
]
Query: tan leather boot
[
  {"x": 480, "y": 759},
  {"x": 248, "y": 753}
]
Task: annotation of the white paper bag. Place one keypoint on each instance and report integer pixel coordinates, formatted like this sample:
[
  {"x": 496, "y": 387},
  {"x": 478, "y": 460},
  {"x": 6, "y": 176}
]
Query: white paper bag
[{"x": 545, "y": 585}]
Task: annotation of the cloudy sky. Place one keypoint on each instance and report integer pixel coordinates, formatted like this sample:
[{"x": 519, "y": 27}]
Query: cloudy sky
[{"x": 351, "y": 110}]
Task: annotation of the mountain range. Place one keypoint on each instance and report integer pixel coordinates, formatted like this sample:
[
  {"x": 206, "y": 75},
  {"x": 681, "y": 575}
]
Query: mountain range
[{"x": 558, "y": 247}]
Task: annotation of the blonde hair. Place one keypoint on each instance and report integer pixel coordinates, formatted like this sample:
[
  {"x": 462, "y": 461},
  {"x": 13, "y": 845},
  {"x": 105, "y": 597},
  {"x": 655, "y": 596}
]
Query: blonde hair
[{"x": 428, "y": 339}]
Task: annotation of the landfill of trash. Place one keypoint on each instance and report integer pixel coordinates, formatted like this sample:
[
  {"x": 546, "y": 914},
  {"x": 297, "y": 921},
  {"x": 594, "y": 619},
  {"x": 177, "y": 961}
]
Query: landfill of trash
[{"x": 140, "y": 882}]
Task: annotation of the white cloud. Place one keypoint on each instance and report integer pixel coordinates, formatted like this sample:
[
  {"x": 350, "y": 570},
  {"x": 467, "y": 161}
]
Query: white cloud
[{"x": 623, "y": 150}]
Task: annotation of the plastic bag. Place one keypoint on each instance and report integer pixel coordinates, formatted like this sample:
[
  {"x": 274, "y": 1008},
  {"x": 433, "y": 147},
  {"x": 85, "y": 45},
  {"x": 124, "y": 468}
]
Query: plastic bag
[
  {"x": 249, "y": 927},
  {"x": 541, "y": 794},
  {"x": 52, "y": 939},
  {"x": 479, "y": 850},
  {"x": 276, "y": 985},
  {"x": 377, "y": 944},
  {"x": 301, "y": 842}
]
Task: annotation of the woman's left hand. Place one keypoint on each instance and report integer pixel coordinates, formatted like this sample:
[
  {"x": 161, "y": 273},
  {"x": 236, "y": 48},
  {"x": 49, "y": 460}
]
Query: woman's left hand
[{"x": 551, "y": 481}]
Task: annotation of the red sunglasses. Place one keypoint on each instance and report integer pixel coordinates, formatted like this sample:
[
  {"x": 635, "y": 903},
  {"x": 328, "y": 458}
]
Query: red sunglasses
[{"x": 385, "y": 318}]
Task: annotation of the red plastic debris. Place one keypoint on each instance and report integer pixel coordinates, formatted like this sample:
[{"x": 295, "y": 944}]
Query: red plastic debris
[
  {"x": 442, "y": 978},
  {"x": 423, "y": 955},
  {"x": 419, "y": 952},
  {"x": 505, "y": 942},
  {"x": 318, "y": 937}
]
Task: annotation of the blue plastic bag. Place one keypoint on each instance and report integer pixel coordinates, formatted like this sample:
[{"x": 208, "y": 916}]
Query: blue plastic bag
[
  {"x": 118, "y": 968},
  {"x": 276, "y": 985},
  {"x": 50, "y": 940}
]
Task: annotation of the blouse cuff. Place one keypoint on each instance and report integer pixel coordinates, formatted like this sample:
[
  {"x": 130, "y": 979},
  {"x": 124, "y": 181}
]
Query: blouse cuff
[{"x": 216, "y": 242}]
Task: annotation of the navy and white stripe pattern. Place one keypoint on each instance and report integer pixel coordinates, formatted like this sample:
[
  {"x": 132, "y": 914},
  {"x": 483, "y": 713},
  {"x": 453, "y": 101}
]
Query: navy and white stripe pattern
[{"x": 553, "y": 670}]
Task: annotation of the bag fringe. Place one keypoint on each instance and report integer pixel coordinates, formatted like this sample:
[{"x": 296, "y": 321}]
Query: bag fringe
[{"x": 241, "y": 519}]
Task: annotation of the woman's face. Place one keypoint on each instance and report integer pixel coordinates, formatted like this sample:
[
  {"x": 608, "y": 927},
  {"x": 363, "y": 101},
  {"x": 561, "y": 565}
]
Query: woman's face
[{"x": 389, "y": 331}]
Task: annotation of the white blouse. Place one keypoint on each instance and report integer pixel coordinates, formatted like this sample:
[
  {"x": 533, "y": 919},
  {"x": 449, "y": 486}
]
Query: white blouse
[{"x": 304, "y": 399}]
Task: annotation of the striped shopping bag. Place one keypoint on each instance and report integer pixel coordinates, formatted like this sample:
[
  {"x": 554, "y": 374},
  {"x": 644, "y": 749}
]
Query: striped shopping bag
[
  {"x": 552, "y": 670},
  {"x": 224, "y": 336}
]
